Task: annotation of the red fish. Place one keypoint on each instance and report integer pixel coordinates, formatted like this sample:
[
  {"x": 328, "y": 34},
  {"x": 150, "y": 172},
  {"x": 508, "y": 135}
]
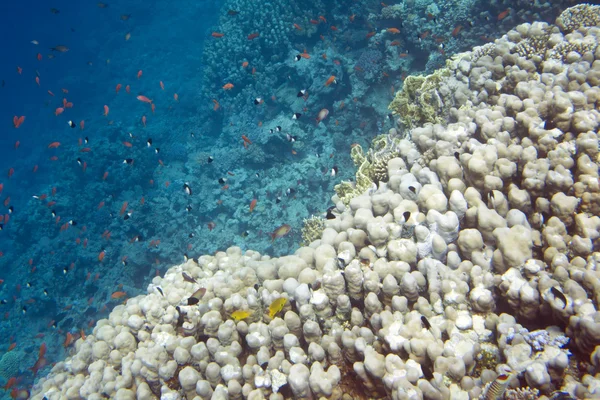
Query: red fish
[
  {"x": 105, "y": 176},
  {"x": 253, "y": 204},
  {"x": 1, "y": 187},
  {"x": 101, "y": 255},
  {"x": 503, "y": 14},
  {"x": 58, "y": 111},
  {"x": 123, "y": 208},
  {"x": 253, "y": 35},
  {"x": 11, "y": 172},
  {"x": 118, "y": 88},
  {"x": 39, "y": 56},
  {"x": 217, "y": 35},
  {"x": 456, "y": 30},
  {"x": 81, "y": 124},
  {"x": 139, "y": 74},
  {"x": 106, "y": 110},
  {"x": 144, "y": 120},
  {"x": 176, "y": 97},
  {"x": 297, "y": 27},
  {"x": 395, "y": 31},
  {"x": 53, "y": 145},
  {"x": 228, "y": 86},
  {"x": 162, "y": 85},
  {"x": 42, "y": 351},
  {"x": 127, "y": 144},
  {"x": 144, "y": 99},
  {"x": 37, "y": 80},
  {"x": 68, "y": 340},
  {"x": 11, "y": 382},
  {"x": 128, "y": 89},
  {"x": 118, "y": 295},
  {"x": 17, "y": 121}
]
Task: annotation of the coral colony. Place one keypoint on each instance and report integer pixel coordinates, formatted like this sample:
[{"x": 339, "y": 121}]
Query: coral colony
[{"x": 458, "y": 257}]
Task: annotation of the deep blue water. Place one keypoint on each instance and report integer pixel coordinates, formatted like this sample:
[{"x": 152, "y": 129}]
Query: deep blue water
[{"x": 53, "y": 280}]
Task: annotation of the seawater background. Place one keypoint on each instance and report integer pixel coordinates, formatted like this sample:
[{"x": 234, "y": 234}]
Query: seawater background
[{"x": 167, "y": 43}]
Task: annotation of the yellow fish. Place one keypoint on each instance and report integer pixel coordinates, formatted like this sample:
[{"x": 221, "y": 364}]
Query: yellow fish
[
  {"x": 276, "y": 306},
  {"x": 240, "y": 315}
]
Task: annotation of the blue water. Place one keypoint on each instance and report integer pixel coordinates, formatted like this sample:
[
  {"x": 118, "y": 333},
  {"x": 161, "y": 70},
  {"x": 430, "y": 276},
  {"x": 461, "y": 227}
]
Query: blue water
[{"x": 65, "y": 288}]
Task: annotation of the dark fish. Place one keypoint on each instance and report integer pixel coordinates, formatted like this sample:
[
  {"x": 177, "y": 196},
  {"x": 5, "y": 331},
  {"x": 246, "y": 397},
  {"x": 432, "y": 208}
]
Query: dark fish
[
  {"x": 54, "y": 10},
  {"x": 180, "y": 319},
  {"x": 188, "y": 278},
  {"x": 301, "y": 93},
  {"x": 406, "y": 215},
  {"x": 330, "y": 214},
  {"x": 412, "y": 189},
  {"x": 195, "y": 298},
  {"x": 425, "y": 322},
  {"x": 427, "y": 373},
  {"x": 232, "y": 12},
  {"x": 187, "y": 189},
  {"x": 296, "y": 116},
  {"x": 125, "y": 17},
  {"x": 102, "y": 5},
  {"x": 210, "y": 159},
  {"x": 60, "y": 48},
  {"x": 559, "y": 295}
]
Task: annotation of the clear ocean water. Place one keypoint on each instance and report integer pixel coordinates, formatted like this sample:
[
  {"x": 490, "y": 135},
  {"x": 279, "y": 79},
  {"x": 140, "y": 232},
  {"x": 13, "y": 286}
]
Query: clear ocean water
[{"x": 93, "y": 199}]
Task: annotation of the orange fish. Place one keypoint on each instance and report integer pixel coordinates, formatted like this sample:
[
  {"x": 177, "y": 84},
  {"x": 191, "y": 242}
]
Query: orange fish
[
  {"x": 37, "y": 80},
  {"x": 81, "y": 124},
  {"x": 370, "y": 34},
  {"x": 118, "y": 295},
  {"x": 297, "y": 27},
  {"x": 127, "y": 144},
  {"x": 503, "y": 14},
  {"x": 176, "y": 97},
  {"x": 322, "y": 18},
  {"x": 253, "y": 35},
  {"x": 314, "y": 22},
  {"x": 281, "y": 231},
  {"x": 162, "y": 85},
  {"x": 106, "y": 110},
  {"x": 105, "y": 176},
  {"x": 11, "y": 382},
  {"x": 53, "y": 145},
  {"x": 253, "y": 204},
  {"x": 217, "y": 34},
  {"x": 393, "y": 30},
  {"x": 247, "y": 141},
  {"x": 59, "y": 111},
  {"x": 68, "y": 340},
  {"x": 12, "y": 345},
  {"x": 330, "y": 80},
  {"x": 456, "y": 30},
  {"x": 17, "y": 121},
  {"x": 118, "y": 88},
  {"x": 144, "y": 99},
  {"x": 153, "y": 107},
  {"x": 42, "y": 351},
  {"x": 333, "y": 28},
  {"x": 395, "y": 43},
  {"x": 228, "y": 86},
  {"x": 216, "y": 107},
  {"x": 139, "y": 74},
  {"x": 123, "y": 208},
  {"x": 244, "y": 64},
  {"x": 101, "y": 255}
]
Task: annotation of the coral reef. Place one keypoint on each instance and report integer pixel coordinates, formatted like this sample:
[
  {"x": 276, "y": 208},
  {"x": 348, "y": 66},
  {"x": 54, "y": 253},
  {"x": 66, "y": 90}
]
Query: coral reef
[
  {"x": 455, "y": 244},
  {"x": 312, "y": 229}
]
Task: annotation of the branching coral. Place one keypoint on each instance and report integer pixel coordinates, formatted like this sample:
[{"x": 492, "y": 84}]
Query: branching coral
[
  {"x": 419, "y": 101},
  {"x": 372, "y": 168},
  {"x": 579, "y": 15},
  {"x": 312, "y": 229}
]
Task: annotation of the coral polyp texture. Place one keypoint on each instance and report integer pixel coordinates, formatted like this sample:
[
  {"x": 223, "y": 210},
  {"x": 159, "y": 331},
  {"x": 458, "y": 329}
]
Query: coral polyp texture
[{"x": 463, "y": 263}]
